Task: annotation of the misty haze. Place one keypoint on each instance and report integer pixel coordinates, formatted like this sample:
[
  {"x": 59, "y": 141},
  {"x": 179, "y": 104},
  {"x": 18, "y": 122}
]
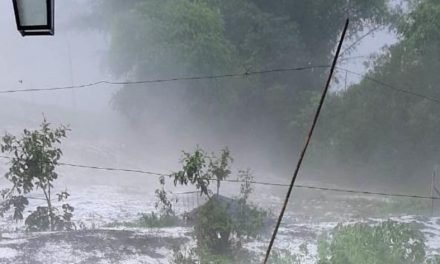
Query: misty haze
[{"x": 169, "y": 131}]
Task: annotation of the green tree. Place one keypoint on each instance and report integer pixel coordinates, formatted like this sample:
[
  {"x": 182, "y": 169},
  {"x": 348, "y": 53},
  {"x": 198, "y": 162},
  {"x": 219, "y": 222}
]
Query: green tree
[
  {"x": 220, "y": 167},
  {"x": 384, "y": 135},
  {"x": 158, "y": 39},
  {"x": 35, "y": 156},
  {"x": 194, "y": 171}
]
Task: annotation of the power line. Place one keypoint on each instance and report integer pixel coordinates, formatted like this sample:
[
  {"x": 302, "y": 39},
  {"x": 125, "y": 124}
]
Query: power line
[
  {"x": 354, "y": 58},
  {"x": 366, "y": 192},
  {"x": 371, "y": 31},
  {"x": 253, "y": 182},
  {"x": 113, "y": 169},
  {"x": 391, "y": 87},
  {"x": 300, "y": 186},
  {"x": 257, "y": 182},
  {"x": 382, "y": 83},
  {"x": 279, "y": 70},
  {"x": 105, "y": 168},
  {"x": 173, "y": 79}
]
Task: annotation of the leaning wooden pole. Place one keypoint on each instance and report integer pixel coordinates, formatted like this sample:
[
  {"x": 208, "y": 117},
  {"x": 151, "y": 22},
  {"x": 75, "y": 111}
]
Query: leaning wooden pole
[
  {"x": 309, "y": 136},
  {"x": 433, "y": 191}
]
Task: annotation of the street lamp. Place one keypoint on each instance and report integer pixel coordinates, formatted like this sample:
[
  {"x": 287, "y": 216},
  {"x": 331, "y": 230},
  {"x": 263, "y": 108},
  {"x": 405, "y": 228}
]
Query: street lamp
[{"x": 34, "y": 17}]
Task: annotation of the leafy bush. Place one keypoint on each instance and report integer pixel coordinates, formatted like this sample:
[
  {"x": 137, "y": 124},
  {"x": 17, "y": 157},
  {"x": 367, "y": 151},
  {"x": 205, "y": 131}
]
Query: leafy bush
[
  {"x": 388, "y": 242},
  {"x": 180, "y": 256},
  {"x": 40, "y": 220},
  {"x": 214, "y": 226},
  {"x": 222, "y": 223},
  {"x": 434, "y": 260}
]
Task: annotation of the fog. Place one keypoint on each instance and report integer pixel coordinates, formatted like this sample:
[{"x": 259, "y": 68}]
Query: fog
[
  {"x": 77, "y": 55},
  {"x": 376, "y": 133}
]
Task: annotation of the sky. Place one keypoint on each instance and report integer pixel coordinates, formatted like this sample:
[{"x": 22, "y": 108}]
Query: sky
[{"x": 70, "y": 57}]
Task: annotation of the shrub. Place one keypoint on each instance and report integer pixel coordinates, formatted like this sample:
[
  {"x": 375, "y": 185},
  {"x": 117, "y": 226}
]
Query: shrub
[
  {"x": 434, "y": 260},
  {"x": 388, "y": 242},
  {"x": 214, "y": 226},
  {"x": 180, "y": 256},
  {"x": 39, "y": 219},
  {"x": 222, "y": 223}
]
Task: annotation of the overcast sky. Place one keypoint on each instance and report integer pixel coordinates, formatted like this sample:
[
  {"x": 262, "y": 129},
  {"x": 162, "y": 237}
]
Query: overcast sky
[{"x": 70, "y": 57}]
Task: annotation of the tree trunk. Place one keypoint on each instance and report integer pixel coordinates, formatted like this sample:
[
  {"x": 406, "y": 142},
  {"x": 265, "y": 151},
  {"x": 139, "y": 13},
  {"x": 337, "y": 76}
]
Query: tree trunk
[{"x": 49, "y": 206}]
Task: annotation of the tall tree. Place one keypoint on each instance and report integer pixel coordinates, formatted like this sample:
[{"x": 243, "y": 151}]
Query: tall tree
[
  {"x": 159, "y": 39},
  {"x": 388, "y": 135}
]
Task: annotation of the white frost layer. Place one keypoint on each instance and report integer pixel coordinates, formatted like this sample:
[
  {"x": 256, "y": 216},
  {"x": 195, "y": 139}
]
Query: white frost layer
[
  {"x": 8, "y": 253},
  {"x": 142, "y": 259},
  {"x": 63, "y": 253}
]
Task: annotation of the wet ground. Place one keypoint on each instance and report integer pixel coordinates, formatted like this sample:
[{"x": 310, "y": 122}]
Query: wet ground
[
  {"x": 97, "y": 206},
  {"x": 89, "y": 246}
]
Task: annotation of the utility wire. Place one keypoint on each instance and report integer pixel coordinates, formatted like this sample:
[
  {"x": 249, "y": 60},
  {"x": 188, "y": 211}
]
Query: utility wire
[
  {"x": 391, "y": 87},
  {"x": 174, "y": 79},
  {"x": 371, "y": 31},
  {"x": 334, "y": 189},
  {"x": 256, "y": 182},
  {"x": 105, "y": 168},
  {"x": 354, "y": 58},
  {"x": 366, "y": 192},
  {"x": 382, "y": 83},
  {"x": 300, "y": 186},
  {"x": 243, "y": 181},
  {"x": 113, "y": 169}
]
